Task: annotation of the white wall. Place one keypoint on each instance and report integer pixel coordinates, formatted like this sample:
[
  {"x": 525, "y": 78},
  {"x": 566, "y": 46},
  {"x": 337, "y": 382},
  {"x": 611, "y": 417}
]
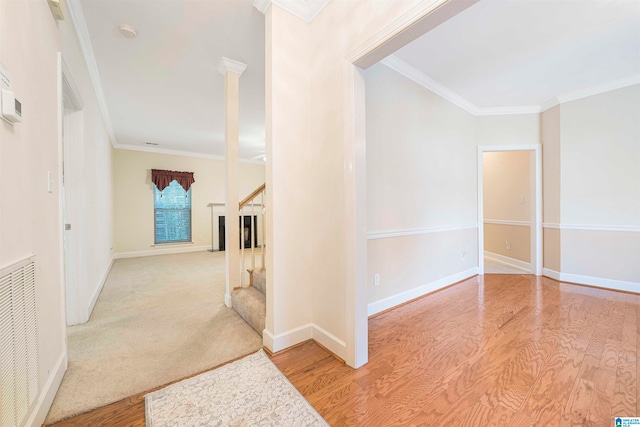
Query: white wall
[
  {"x": 292, "y": 227},
  {"x": 305, "y": 171},
  {"x": 30, "y": 216},
  {"x": 600, "y": 138},
  {"x": 134, "y": 198},
  {"x": 421, "y": 176},
  {"x": 509, "y": 129},
  {"x": 600, "y": 186}
]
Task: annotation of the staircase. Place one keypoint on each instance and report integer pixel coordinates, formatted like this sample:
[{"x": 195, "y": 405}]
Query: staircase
[{"x": 250, "y": 301}]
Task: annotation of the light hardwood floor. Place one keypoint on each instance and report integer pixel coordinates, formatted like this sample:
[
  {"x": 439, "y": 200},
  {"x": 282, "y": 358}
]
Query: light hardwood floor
[{"x": 495, "y": 350}]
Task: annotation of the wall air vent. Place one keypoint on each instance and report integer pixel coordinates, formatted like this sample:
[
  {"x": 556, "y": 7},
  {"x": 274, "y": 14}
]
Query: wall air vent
[
  {"x": 151, "y": 143},
  {"x": 19, "y": 386}
]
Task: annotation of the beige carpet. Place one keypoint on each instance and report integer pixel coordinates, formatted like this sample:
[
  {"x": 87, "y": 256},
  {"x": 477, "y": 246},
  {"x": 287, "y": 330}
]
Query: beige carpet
[{"x": 158, "y": 319}]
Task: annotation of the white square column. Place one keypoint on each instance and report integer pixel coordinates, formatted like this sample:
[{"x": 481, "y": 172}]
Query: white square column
[{"x": 231, "y": 70}]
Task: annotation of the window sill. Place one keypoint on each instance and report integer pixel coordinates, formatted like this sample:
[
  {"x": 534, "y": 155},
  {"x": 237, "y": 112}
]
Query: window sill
[{"x": 161, "y": 245}]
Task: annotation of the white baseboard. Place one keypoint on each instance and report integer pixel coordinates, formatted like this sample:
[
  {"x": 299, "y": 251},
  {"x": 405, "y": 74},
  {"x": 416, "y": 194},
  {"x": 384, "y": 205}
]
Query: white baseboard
[
  {"x": 162, "y": 251},
  {"x": 303, "y": 333},
  {"x": 227, "y": 300},
  {"x": 551, "y": 274},
  {"x": 48, "y": 392},
  {"x": 618, "y": 285},
  {"x": 267, "y": 340},
  {"x": 401, "y": 298},
  {"x": 288, "y": 338},
  {"x": 330, "y": 342},
  {"x": 96, "y": 294},
  {"x": 511, "y": 262}
]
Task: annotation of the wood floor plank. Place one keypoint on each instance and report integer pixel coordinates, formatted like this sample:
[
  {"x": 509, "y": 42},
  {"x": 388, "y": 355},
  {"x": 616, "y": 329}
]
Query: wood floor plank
[
  {"x": 624, "y": 401},
  {"x": 590, "y": 402},
  {"x": 494, "y": 350},
  {"x": 549, "y": 396},
  {"x": 578, "y": 409}
]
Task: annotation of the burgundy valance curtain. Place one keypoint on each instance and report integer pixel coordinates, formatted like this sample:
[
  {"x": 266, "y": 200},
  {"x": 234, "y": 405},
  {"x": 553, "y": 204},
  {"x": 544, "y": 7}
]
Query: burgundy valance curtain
[{"x": 162, "y": 178}]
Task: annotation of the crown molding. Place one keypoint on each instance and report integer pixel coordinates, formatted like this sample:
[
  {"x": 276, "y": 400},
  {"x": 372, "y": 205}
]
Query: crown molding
[
  {"x": 314, "y": 8},
  {"x": 227, "y": 64},
  {"x": 549, "y": 103},
  {"x": 590, "y": 91},
  {"x": 504, "y": 111},
  {"x": 262, "y": 5},
  {"x": 306, "y": 10},
  {"x": 595, "y": 90},
  {"x": 157, "y": 150},
  {"x": 82, "y": 32},
  {"x": 423, "y": 80},
  {"x": 427, "y": 82}
]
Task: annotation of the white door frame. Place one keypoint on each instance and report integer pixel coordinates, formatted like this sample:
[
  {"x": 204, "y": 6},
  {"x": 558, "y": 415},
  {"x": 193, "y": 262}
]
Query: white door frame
[
  {"x": 417, "y": 21},
  {"x": 70, "y": 128},
  {"x": 536, "y": 223}
]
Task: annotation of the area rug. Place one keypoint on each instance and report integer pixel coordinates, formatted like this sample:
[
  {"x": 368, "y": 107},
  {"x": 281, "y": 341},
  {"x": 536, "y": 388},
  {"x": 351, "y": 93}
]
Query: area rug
[{"x": 248, "y": 392}]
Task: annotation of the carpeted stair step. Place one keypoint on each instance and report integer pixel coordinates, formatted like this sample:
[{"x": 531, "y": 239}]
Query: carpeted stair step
[
  {"x": 251, "y": 305},
  {"x": 259, "y": 279}
]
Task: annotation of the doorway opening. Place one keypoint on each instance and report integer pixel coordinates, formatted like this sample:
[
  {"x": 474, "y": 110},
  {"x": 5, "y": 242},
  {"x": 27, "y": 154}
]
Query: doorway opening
[
  {"x": 510, "y": 209},
  {"x": 408, "y": 27},
  {"x": 507, "y": 208}
]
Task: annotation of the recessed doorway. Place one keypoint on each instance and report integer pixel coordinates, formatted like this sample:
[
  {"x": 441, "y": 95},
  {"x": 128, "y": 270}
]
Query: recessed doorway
[{"x": 510, "y": 207}]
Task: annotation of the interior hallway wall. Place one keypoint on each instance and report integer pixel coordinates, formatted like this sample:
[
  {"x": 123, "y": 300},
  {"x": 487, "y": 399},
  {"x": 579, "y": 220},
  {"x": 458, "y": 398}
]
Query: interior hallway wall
[
  {"x": 421, "y": 188},
  {"x": 30, "y": 215}
]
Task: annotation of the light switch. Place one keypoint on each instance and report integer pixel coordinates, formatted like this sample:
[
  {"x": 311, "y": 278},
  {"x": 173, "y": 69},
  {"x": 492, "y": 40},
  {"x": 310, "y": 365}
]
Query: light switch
[{"x": 49, "y": 182}]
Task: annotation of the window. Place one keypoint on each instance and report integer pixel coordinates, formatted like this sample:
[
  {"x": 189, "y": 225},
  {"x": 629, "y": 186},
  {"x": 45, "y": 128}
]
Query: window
[{"x": 172, "y": 214}]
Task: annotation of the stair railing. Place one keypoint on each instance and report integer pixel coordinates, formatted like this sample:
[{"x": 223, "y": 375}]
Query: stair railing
[{"x": 253, "y": 200}]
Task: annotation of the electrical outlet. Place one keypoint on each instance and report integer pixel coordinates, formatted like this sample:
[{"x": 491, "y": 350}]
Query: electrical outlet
[
  {"x": 522, "y": 200},
  {"x": 508, "y": 245},
  {"x": 463, "y": 254},
  {"x": 376, "y": 280}
]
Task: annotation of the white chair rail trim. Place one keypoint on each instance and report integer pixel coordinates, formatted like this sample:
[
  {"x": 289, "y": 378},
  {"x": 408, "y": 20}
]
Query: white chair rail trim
[
  {"x": 415, "y": 232},
  {"x": 592, "y": 227},
  {"x": 508, "y": 222}
]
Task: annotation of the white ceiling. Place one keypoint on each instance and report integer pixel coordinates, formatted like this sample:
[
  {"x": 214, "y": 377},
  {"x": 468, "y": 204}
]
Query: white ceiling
[
  {"x": 497, "y": 56},
  {"x": 163, "y": 86},
  {"x": 525, "y": 53}
]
